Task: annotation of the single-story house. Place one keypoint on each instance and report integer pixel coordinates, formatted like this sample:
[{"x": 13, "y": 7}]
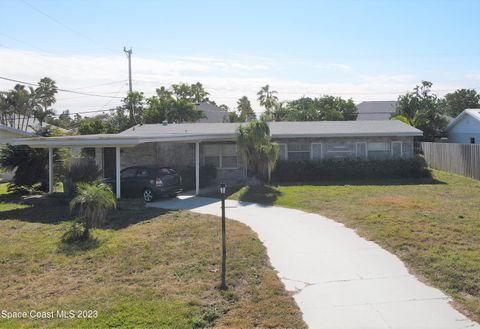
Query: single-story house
[
  {"x": 376, "y": 110},
  {"x": 198, "y": 144},
  {"x": 465, "y": 128}
]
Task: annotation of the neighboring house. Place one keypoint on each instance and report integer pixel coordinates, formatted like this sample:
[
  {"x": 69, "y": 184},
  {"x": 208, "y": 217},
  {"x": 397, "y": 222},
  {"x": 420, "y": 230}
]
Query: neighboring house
[
  {"x": 376, "y": 110},
  {"x": 199, "y": 144},
  {"x": 212, "y": 112},
  {"x": 465, "y": 128}
]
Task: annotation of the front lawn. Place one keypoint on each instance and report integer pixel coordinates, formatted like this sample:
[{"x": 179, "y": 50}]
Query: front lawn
[
  {"x": 146, "y": 269},
  {"x": 432, "y": 225}
]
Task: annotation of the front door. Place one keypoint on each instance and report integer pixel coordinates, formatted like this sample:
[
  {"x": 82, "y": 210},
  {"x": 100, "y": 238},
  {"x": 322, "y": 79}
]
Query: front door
[{"x": 109, "y": 158}]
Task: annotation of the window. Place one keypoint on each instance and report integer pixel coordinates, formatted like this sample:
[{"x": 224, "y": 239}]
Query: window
[
  {"x": 298, "y": 151},
  {"x": 220, "y": 155},
  {"x": 282, "y": 154},
  {"x": 229, "y": 156},
  {"x": 397, "y": 149},
  {"x": 472, "y": 140},
  {"x": 128, "y": 173},
  {"x": 378, "y": 150},
  {"x": 361, "y": 150},
  {"x": 316, "y": 151},
  {"x": 143, "y": 173}
]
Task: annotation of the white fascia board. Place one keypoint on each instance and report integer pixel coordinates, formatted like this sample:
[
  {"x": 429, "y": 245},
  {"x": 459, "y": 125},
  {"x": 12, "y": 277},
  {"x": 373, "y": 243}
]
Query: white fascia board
[{"x": 404, "y": 134}]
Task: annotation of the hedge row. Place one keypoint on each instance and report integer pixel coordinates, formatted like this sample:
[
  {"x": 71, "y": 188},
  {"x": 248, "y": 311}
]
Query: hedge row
[{"x": 334, "y": 169}]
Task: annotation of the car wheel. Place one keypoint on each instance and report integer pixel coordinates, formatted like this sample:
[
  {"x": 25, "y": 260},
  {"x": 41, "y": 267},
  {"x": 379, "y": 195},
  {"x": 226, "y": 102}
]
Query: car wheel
[{"x": 148, "y": 195}]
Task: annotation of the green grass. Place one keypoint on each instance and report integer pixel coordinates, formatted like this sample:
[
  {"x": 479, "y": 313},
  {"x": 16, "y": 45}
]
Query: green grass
[
  {"x": 145, "y": 268},
  {"x": 432, "y": 225}
]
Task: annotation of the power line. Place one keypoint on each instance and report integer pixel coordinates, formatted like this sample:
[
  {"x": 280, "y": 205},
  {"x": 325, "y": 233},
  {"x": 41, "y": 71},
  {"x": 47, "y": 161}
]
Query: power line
[
  {"x": 65, "y": 26},
  {"x": 60, "y": 89}
]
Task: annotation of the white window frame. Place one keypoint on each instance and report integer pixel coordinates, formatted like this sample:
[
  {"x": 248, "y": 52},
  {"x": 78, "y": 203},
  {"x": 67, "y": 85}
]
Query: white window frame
[
  {"x": 286, "y": 151},
  {"x": 401, "y": 148},
  {"x": 366, "y": 149},
  {"x": 220, "y": 155},
  {"x": 309, "y": 151},
  {"x": 321, "y": 151}
]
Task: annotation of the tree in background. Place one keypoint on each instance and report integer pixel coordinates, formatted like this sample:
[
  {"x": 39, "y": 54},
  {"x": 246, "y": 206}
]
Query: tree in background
[
  {"x": 244, "y": 107},
  {"x": 460, "y": 100},
  {"x": 45, "y": 97},
  {"x": 423, "y": 110},
  {"x": 316, "y": 109},
  {"x": 254, "y": 143},
  {"x": 194, "y": 93},
  {"x": 269, "y": 100}
]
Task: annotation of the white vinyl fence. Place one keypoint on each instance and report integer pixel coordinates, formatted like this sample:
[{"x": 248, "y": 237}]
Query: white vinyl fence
[{"x": 462, "y": 159}]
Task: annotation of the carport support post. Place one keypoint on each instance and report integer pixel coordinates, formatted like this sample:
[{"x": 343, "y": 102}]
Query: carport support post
[
  {"x": 50, "y": 170},
  {"x": 197, "y": 168},
  {"x": 117, "y": 171}
]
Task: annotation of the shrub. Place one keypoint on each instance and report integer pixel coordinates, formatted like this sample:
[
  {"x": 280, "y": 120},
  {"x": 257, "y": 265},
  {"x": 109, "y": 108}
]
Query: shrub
[
  {"x": 80, "y": 171},
  {"x": 333, "y": 169},
  {"x": 93, "y": 201},
  {"x": 207, "y": 174},
  {"x": 74, "y": 232}
]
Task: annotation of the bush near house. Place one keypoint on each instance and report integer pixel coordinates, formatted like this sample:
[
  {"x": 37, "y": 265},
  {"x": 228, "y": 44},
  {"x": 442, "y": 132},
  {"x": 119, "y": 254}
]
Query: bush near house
[{"x": 332, "y": 169}]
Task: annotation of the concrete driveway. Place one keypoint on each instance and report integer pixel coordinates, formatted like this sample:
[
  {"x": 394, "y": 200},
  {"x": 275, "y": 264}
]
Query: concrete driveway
[{"x": 338, "y": 279}]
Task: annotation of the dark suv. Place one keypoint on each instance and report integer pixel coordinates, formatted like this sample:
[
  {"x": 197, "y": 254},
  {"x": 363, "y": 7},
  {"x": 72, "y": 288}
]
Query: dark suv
[{"x": 148, "y": 182}]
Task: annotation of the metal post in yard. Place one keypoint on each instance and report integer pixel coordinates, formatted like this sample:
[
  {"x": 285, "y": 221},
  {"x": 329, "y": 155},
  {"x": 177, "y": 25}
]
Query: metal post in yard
[{"x": 223, "y": 285}]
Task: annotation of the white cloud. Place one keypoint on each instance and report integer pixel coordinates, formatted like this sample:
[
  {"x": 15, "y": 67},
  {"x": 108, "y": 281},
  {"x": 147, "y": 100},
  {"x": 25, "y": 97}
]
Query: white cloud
[{"x": 227, "y": 79}]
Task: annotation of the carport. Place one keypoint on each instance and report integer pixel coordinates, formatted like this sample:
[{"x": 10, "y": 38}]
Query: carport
[{"x": 118, "y": 142}]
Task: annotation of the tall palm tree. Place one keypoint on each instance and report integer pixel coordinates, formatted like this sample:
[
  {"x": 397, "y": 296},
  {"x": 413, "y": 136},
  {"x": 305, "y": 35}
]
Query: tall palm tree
[
  {"x": 267, "y": 99},
  {"x": 270, "y": 153},
  {"x": 45, "y": 97},
  {"x": 245, "y": 109},
  {"x": 254, "y": 143},
  {"x": 93, "y": 201}
]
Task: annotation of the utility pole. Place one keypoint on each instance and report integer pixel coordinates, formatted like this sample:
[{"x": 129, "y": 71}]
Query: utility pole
[{"x": 129, "y": 55}]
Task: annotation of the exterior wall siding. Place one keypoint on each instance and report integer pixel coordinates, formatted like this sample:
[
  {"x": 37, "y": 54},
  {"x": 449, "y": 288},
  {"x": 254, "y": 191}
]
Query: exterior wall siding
[
  {"x": 465, "y": 129},
  {"x": 180, "y": 155}
]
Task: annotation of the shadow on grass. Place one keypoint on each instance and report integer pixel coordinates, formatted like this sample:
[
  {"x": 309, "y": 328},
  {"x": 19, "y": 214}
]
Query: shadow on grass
[{"x": 262, "y": 194}]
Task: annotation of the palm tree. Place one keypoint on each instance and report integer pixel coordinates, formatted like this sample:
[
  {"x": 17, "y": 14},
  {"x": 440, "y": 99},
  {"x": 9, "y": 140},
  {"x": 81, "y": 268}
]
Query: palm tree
[
  {"x": 270, "y": 153},
  {"x": 267, "y": 99},
  {"x": 45, "y": 96},
  {"x": 245, "y": 109},
  {"x": 93, "y": 201},
  {"x": 254, "y": 143}
]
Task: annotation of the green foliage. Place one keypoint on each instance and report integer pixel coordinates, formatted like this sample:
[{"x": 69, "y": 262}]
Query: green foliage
[
  {"x": 423, "y": 110},
  {"x": 93, "y": 201},
  {"x": 207, "y": 174},
  {"x": 460, "y": 100},
  {"x": 269, "y": 100},
  {"x": 332, "y": 169},
  {"x": 74, "y": 232},
  {"x": 316, "y": 109},
  {"x": 245, "y": 109},
  {"x": 254, "y": 143},
  {"x": 194, "y": 93},
  {"x": 80, "y": 172}
]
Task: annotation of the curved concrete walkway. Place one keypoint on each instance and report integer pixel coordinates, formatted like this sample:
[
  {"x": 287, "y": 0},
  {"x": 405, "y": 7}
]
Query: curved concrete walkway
[{"x": 338, "y": 279}]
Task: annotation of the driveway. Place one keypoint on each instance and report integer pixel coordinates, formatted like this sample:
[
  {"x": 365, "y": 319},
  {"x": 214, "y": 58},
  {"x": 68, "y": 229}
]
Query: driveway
[{"x": 338, "y": 279}]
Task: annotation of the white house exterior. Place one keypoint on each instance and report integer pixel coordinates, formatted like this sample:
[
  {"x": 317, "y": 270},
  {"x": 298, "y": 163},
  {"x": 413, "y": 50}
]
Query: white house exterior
[{"x": 465, "y": 128}]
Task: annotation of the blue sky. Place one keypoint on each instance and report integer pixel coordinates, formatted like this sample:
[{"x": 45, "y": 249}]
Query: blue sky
[{"x": 367, "y": 50}]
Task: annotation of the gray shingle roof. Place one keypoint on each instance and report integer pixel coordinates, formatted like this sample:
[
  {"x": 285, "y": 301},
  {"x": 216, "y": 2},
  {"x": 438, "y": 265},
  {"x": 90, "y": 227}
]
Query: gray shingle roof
[
  {"x": 283, "y": 129},
  {"x": 376, "y": 110}
]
